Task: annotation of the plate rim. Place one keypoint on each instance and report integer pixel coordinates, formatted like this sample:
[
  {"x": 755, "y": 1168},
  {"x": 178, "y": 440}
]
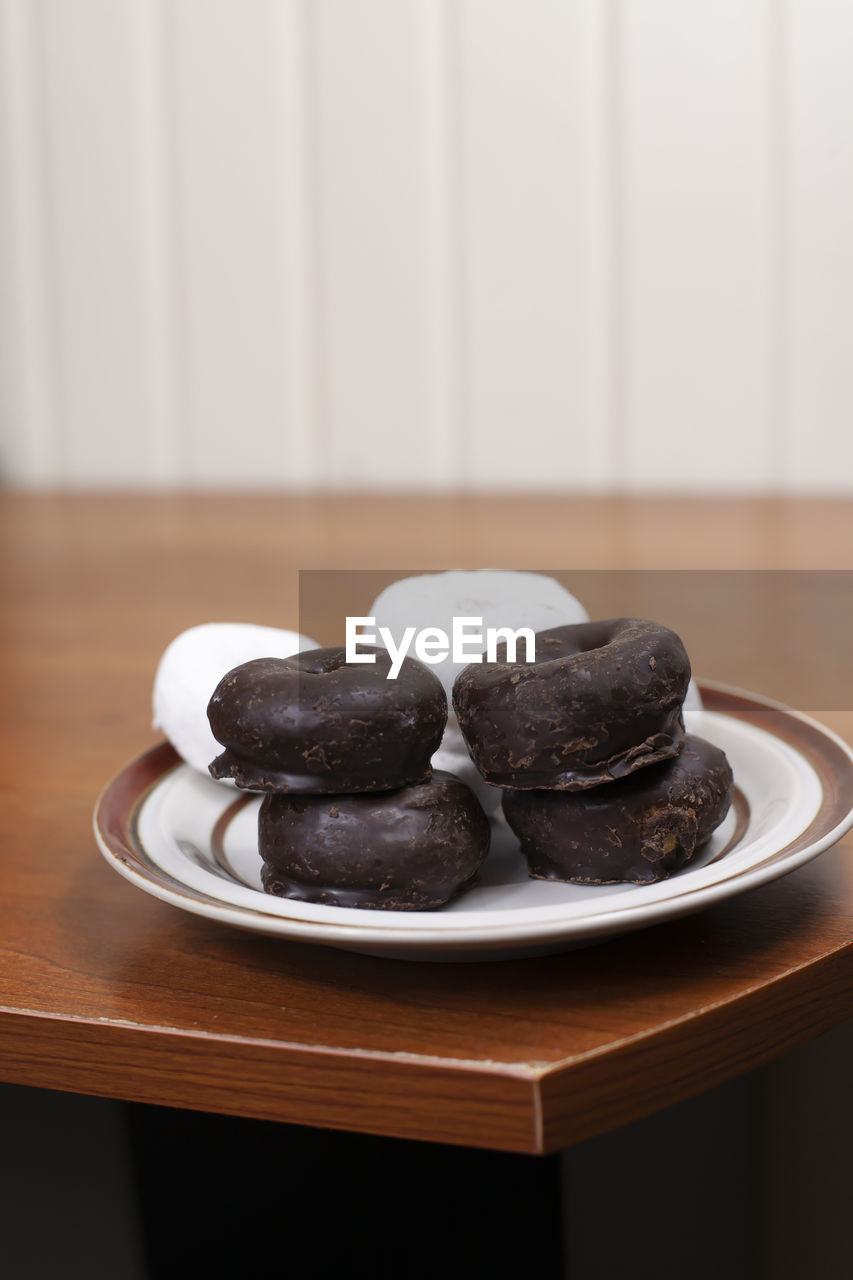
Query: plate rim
[{"x": 121, "y": 799}]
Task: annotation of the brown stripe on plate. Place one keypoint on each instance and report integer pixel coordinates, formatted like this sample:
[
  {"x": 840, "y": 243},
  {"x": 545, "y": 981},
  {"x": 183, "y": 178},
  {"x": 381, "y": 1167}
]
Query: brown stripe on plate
[
  {"x": 827, "y": 757},
  {"x": 217, "y": 835},
  {"x": 740, "y": 804},
  {"x": 117, "y": 815}
]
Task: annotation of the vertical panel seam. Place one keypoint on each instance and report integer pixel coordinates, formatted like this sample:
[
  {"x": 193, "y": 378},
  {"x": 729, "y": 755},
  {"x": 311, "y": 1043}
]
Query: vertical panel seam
[
  {"x": 777, "y": 405},
  {"x": 440, "y": 230},
  {"x": 617, "y": 365},
  {"x": 324, "y": 463},
  {"x": 37, "y": 19},
  {"x": 461, "y": 426},
  {"x": 298, "y": 218},
  {"x": 175, "y": 219},
  {"x": 157, "y": 231},
  {"x": 596, "y": 247}
]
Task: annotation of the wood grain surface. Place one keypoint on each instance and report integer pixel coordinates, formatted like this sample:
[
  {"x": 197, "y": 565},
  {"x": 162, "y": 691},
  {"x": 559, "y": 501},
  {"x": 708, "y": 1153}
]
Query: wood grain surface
[{"x": 107, "y": 991}]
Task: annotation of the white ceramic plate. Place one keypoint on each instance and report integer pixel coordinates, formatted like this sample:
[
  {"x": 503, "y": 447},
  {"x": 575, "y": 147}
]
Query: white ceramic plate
[{"x": 190, "y": 842}]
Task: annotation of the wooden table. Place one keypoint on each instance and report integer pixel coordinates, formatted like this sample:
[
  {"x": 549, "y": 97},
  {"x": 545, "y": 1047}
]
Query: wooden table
[{"x": 107, "y": 991}]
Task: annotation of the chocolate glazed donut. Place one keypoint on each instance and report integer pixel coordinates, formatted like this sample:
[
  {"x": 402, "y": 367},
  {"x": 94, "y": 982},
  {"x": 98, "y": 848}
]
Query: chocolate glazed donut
[
  {"x": 407, "y": 850},
  {"x": 638, "y": 829},
  {"x": 601, "y": 700},
  {"x": 315, "y": 723}
]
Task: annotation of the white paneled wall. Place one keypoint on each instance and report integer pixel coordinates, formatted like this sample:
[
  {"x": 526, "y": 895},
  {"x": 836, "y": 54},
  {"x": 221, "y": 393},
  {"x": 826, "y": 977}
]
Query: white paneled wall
[
  {"x": 697, "y": 217},
  {"x": 424, "y": 243}
]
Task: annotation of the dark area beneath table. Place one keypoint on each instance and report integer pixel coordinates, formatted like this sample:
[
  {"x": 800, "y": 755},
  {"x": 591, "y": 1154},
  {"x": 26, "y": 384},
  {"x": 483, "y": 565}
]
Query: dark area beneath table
[{"x": 749, "y": 1180}]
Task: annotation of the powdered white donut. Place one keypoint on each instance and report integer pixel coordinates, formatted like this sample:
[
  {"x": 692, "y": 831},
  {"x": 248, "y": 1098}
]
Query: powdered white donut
[
  {"x": 693, "y": 698},
  {"x": 192, "y": 667},
  {"x": 502, "y": 598},
  {"x": 694, "y": 713}
]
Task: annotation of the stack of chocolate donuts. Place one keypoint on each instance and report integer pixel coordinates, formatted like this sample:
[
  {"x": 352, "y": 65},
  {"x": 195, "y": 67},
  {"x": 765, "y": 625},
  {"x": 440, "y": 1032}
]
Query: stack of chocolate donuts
[
  {"x": 352, "y": 814},
  {"x": 600, "y": 782}
]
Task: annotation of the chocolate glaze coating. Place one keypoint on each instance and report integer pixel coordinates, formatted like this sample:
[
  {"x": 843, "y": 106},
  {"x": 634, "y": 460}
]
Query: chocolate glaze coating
[
  {"x": 637, "y": 829},
  {"x": 601, "y": 700},
  {"x": 315, "y": 723},
  {"x": 407, "y": 850}
]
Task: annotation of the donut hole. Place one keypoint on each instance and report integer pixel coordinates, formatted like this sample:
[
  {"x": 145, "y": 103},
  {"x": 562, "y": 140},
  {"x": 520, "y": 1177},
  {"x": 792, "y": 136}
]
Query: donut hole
[{"x": 598, "y": 636}]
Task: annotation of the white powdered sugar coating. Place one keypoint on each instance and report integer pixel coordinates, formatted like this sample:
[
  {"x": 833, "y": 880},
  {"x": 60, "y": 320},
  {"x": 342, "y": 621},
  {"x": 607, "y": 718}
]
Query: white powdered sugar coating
[
  {"x": 191, "y": 668},
  {"x": 693, "y": 698},
  {"x": 502, "y": 598}
]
